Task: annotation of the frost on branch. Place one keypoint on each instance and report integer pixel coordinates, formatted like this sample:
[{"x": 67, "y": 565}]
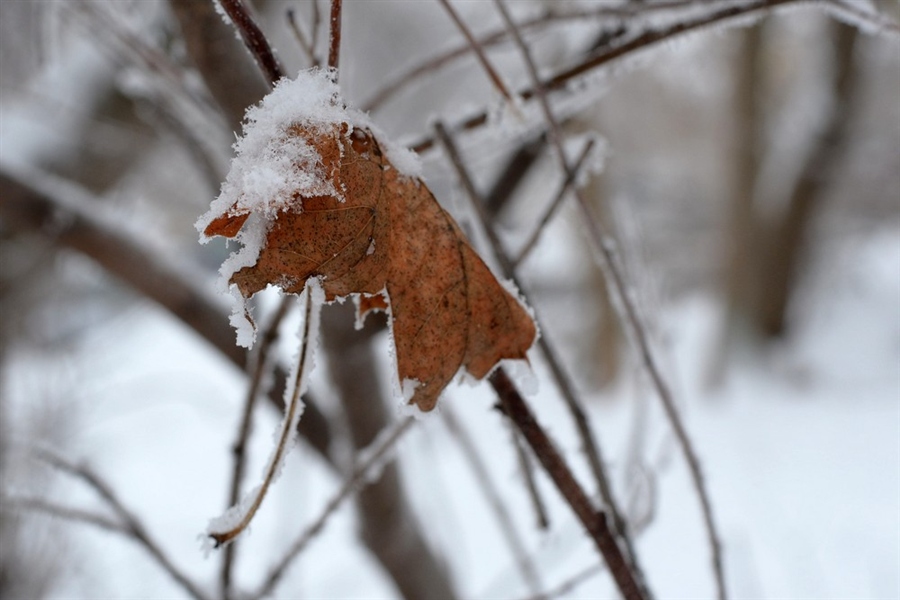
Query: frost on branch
[{"x": 316, "y": 191}]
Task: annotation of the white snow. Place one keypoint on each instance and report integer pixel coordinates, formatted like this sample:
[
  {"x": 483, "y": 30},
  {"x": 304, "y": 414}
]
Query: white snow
[{"x": 273, "y": 166}]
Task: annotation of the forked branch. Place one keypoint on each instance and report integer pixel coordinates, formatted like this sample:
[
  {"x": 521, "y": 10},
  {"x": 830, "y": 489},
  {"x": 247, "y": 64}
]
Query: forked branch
[{"x": 633, "y": 319}]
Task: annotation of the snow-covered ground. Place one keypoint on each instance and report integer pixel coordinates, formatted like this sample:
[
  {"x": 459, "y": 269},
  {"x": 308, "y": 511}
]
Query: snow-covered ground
[{"x": 800, "y": 448}]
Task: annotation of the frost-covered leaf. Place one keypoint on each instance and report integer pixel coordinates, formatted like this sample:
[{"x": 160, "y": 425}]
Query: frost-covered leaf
[{"x": 364, "y": 227}]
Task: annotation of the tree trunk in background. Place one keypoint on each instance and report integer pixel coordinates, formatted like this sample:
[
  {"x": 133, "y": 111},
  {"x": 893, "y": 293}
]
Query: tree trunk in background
[
  {"x": 790, "y": 238},
  {"x": 740, "y": 269},
  {"x": 389, "y": 527}
]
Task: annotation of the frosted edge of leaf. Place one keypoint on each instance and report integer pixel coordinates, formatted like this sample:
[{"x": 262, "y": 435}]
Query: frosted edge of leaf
[{"x": 252, "y": 238}]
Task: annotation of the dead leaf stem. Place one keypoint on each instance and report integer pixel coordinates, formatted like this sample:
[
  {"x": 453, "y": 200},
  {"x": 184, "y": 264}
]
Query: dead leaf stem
[
  {"x": 261, "y": 365},
  {"x": 294, "y": 405},
  {"x": 334, "y": 40}
]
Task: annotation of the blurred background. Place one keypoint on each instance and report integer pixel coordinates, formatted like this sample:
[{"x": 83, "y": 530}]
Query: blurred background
[{"x": 750, "y": 176}]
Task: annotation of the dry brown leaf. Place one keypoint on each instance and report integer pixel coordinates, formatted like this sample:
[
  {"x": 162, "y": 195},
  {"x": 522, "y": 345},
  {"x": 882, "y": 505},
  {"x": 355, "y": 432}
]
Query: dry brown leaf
[{"x": 390, "y": 241}]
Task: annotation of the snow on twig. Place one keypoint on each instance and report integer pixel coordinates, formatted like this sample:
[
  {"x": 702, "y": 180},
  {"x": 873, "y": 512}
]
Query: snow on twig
[
  {"x": 260, "y": 366},
  {"x": 236, "y": 519}
]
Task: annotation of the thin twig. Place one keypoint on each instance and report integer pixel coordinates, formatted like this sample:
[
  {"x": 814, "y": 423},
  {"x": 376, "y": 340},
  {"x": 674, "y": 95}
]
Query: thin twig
[
  {"x": 76, "y": 515},
  {"x": 634, "y": 321},
  {"x": 607, "y": 54},
  {"x": 239, "y": 448},
  {"x": 568, "y": 182},
  {"x": 134, "y": 527},
  {"x": 357, "y": 478},
  {"x": 845, "y": 11},
  {"x": 527, "y": 468},
  {"x": 254, "y": 39},
  {"x": 316, "y": 24},
  {"x": 306, "y": 46},
  {"x": 495, "y": 501},
  {"x": 478, "y": 49},
  {"x": 594, "y": 521},
  {"x": 334, "y": 40},
  {"x": 590, "y": 445},
  {"x": 570, "y": 584},
  {"x": 552, "y": 16},
  {"x": 292, "y": 412}
]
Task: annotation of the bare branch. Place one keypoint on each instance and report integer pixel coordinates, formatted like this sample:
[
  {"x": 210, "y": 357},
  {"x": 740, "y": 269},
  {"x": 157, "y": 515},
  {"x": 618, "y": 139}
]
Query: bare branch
[
  {"x": 334, "y": 42},
  {"x": 239, "y": 448},
  {"x": 568, "y": 182},
  {"x": 495, "y": 501},
  {"x": 307, "y": 47},
  {"x": 59, "y": 210},
  {"x": 733, "y": 13},
  {"x": 477, "y": 48},
  {"x": 76, "y": 515},
  {"x": 590, "y": 445},
  {"x": 594, "y": 521},
  {"x": 292, "y": 413},
  {"x": 254, "y": 39},
  {"x": 131, "y": 524},
  {"x": 367, "y": 460},
  {"x": 634, "y": 321}
]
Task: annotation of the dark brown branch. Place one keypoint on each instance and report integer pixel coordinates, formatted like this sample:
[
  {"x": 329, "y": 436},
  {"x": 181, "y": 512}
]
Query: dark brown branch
[
  {"x": 594, "y": 521},
  {"x": 334, "y": 41},
  {"x": 254, "y": 39},
  {"x": 590, "y": 445},
  {"x": 633, "y": 320}
]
